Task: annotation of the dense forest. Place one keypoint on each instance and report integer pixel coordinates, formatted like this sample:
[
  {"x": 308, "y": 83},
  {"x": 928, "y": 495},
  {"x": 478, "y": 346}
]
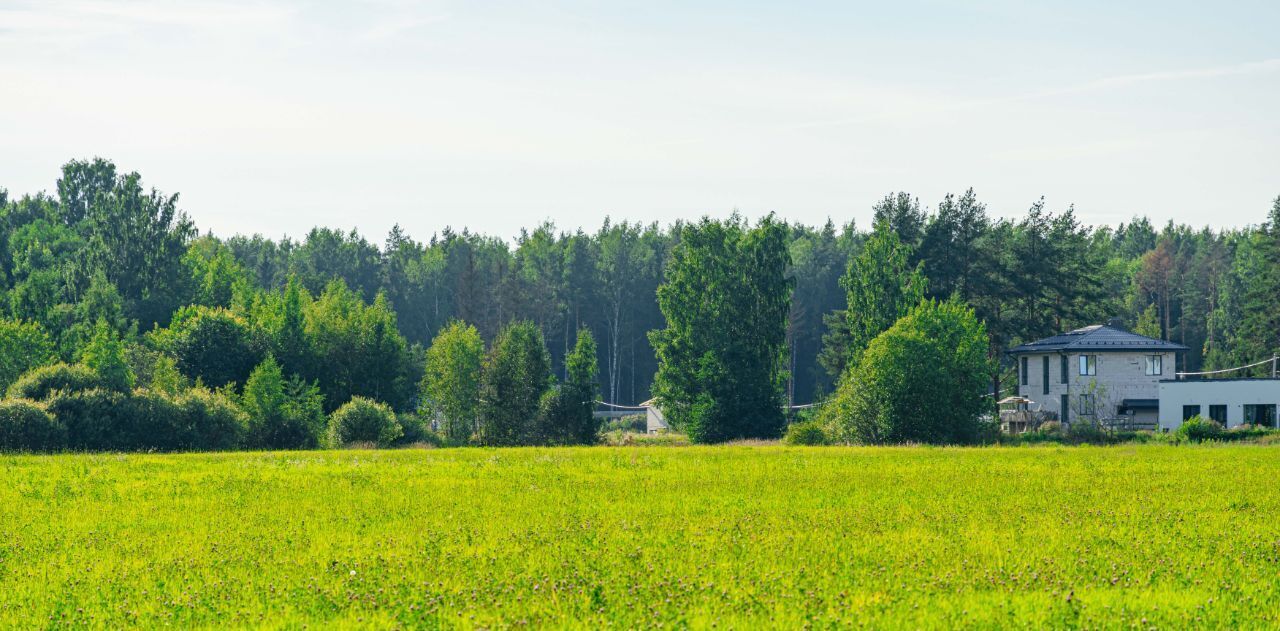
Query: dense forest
[{"x": 355, "y": 317}]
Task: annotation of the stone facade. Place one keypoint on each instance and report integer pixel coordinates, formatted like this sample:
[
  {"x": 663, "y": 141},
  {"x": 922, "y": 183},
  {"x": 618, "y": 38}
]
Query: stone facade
[{"x": 1117, "y": 376}]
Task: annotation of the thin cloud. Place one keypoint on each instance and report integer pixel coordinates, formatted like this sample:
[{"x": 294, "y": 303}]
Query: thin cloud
[
  {"x": 69, "y": 21},
  {"x": 1119, "y": 81},
  {"x": 1105, "y": 83},
  {"x": 393, "y": 28}
]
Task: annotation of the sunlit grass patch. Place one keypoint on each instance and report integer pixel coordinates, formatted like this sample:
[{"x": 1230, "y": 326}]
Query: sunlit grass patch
[{"x": 743, "y": 536}]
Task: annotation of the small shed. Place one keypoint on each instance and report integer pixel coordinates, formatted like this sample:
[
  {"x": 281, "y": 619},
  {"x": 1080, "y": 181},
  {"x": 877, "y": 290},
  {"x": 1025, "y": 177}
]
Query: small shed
[
  {"x": 1016, "y": 415},
  {"x": 654, "y": 421}
]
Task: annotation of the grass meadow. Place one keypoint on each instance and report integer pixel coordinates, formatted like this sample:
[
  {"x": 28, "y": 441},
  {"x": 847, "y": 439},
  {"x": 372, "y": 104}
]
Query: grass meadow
[{"x": 732, "y": 537}]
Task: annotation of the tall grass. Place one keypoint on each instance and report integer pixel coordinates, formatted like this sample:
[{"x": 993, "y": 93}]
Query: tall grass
[{"x": 748, "y": 536}]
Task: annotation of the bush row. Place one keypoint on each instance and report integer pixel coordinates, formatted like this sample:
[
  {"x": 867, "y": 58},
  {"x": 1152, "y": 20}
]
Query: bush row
[
  {"x": 65, "y": 407},
  {"x": 1195, "y": 430}
]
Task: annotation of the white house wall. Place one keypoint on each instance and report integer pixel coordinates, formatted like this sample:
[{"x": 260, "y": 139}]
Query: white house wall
[{"x": 1234, "y": 394}]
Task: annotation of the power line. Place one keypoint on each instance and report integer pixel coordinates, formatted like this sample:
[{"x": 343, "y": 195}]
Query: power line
[
  {"x": 1271, "y": 361},
  {"x": 622, "y": 407}
]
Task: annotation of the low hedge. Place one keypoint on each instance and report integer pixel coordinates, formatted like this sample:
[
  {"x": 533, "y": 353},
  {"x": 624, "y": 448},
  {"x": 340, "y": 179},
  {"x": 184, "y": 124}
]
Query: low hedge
[
  {"x": 27, "y": 426},
  {"x": 1196, "y": 429},
  {"x": 41, "y": 383},
  {"x": 211, "y": 421},
  {"x": 144, "y": 420},
  {"x": 92, "y": 418},
  {"x": 362, "y": 420},
  {"x": 805, "y": 433}
]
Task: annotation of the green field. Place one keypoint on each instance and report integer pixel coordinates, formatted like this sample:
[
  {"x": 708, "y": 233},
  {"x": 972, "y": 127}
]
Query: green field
[{"x": 1147, "y": 536}]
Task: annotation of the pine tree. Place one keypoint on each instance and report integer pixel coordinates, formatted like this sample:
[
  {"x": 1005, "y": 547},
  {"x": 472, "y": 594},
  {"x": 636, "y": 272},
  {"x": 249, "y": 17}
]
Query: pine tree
[
  {"x": 1258, "y": 333},
  {"x": 901, "y": 214},
  {"x": 952, "y": 248}
]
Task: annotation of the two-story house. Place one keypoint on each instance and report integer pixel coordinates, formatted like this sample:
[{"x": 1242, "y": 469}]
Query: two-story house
[{"x": 1096, "y": 373}]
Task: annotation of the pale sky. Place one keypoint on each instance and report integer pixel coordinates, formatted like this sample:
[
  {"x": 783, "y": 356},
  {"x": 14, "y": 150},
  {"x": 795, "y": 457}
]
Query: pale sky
[{"x": 275, "y": 116}]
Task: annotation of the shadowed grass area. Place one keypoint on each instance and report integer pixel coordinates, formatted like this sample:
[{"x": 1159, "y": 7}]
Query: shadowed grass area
[{"x": 738, "y": 536}]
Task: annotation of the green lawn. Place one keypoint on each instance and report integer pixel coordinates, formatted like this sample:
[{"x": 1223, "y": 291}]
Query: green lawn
[{"x": 1147, "y": 536}]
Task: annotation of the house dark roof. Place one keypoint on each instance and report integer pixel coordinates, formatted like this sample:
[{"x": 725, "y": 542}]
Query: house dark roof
[
  {"x": 1140, "y": 404},
  {"x": 1097, "y": 339}
]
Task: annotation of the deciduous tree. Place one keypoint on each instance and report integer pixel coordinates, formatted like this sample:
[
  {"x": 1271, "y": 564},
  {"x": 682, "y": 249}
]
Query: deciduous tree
[
  {"x": 517, "y": 371},
  {"x": 722, "y": 356},
  {"x": 881, "y": 285},
  {"x": 451, "y": 384},
  {"x": 923, "y": 380}
]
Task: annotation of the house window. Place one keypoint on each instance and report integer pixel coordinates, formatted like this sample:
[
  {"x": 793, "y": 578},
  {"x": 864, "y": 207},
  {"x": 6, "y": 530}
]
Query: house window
[
  {"x": 1264, "y": 415},
  {"x": 1218, "y": 413},
  {"x": 1155, "y": 364},
  {"x": 1046, "y": 375},
  {"x": 1189, "y": 411},
  {"x": 1086, "y": 405},
  {"x": 1065, "y": 408},
  {"x": 1064, "y": 369},
  {"x": 1088, "y": 365},
  {"x": 1025, "y": 377}
]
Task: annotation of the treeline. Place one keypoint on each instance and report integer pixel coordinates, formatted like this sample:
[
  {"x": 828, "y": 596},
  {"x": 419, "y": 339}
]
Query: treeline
[{"x": 344, "y": 317}]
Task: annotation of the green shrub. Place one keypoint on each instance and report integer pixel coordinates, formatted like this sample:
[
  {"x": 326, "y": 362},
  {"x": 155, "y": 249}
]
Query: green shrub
[
  {"x": 1246, "y": 433},
  {"x": 629, "y": 439},
  {"x": 1048, "y": 432},
  {"x": 105, "y": 354},
  {"x": 988, "y": 432},
  {"x": 921, "y": 381},
  {"x": 147, "y": 420},
  {"x": 150, "y": 421},
  {"x": 417, "y": 431},
  {"x": 283, "y": 414},
  {"x": 108, "y": 420},
  {"x": 211, "y": 421},
  {"x": 362, "y": 420},
  {"x": 91, "y": 418},
  {"x": 1050, "y": 428},
  {"x": 38, "y": 384},
  {"x": 1139, "y": 437},
  {"x": 1196, "y": 429},
  {"x": 1088, "y": 432},
  {"x": 212, "y": 344},
  {"x": 1271, "y": 438},
  {"x": 629, "y": 423},
  {"x": 27, "y": 426},
  {"x": 805, "y": 433}
]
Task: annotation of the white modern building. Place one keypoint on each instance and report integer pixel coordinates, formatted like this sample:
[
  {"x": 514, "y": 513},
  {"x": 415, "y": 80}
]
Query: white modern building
[
  {"x": 1231, "y": 402},
  {"x": 1097, "y": 373}
]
